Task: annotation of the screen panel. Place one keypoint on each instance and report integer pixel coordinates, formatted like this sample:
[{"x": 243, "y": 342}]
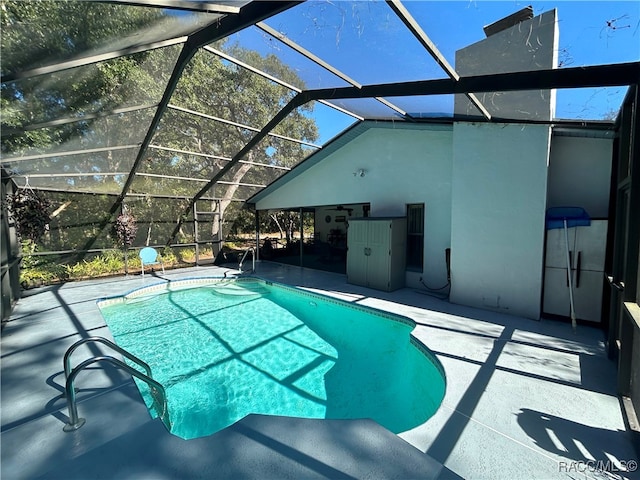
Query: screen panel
[
  {"x": 76, "y": 218},
  {"x": 252, "y": 46},
  {"x": 365, "y": 40},
  {"x": 134, "y": 81},
  {"x": 73, "y": 30},
  {"x": 223, "y": 90},
  {"x": 165, "y": 186},
  {"x": 121, "y": 130},
  {"x": 86, "y": 183},
  {"x": 204, "y": 136},
  {"x": 600, "y": 103}
]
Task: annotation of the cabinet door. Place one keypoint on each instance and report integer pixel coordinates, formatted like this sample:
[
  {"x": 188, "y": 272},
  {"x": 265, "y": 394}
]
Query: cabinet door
[
  {"x": 591, "y": 242},
  {"x": 379, "y": 257},
  {"x": 556, "y": 292},
  {"x": 356, "y": 252},
  {"x": 588, "y": 296},
  {"x": 556, "y": 256}
]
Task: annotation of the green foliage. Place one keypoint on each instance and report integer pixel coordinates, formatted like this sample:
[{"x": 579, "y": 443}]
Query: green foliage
[
  {"x": 36, "y": 277},
  {"x": 41, "y": 33},
  {"x": 27, "y": 249},
  {"x": 38, "y": 271},
  {"x": 112, "y": 260},
  {"x": 55, "y": 30},
  {"x": 107, "y": 263},
  {"x": 134, "y": 262},
  {"x": 78, "y": 217},
  {"x": 168, "y": 257}
]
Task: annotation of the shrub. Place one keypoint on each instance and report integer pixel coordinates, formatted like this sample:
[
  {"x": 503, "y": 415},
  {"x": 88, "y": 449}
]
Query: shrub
[
  {"x": 36, "y": 277},
  {"x": 37, "y": 272},
  {"x": 168, "y": 257}
]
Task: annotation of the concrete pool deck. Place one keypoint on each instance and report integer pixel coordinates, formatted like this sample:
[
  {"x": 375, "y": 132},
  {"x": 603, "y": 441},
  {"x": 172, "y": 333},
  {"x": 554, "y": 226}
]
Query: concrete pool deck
[{"x": 525, "y": 400}]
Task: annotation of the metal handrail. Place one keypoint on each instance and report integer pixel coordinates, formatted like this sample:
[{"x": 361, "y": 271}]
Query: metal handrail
[
  {"x": 244, "y": 256},
  {"x": 156, "y": 388},
  {"x": 67, "y": 356}
]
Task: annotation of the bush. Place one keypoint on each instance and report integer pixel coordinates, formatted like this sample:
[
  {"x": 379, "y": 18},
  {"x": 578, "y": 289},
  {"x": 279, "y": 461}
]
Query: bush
[
  {"x": 42, "y": 275},
  {"x": 113, "y": 260},
  {"x": 36, "y": 271},
  {"x": 108, "y": 263},
  {"x": 168, "y": 257}
]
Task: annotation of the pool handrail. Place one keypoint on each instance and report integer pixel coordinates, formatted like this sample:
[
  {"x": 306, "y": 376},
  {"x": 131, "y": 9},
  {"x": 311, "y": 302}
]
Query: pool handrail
[
  {"x": 75, "y": 422},
  {"x": 67, "y": 356},
  {"x": 69, "y": 375},
  {"x": 244, "y": 256}
]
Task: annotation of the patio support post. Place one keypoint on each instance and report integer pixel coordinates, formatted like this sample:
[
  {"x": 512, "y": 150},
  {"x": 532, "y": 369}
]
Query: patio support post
[
  {"x": 196, "y": 237},
  {"x": 257, "y": 252},
  {"x": 123, "y": 210},
  {"x": 220, "y": 236},
  {"x": 301, "y": 234}
]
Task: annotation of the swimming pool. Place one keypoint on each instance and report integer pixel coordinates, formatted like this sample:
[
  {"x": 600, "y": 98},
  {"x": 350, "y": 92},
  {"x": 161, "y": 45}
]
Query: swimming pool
[{"x": 224, "y": 348}]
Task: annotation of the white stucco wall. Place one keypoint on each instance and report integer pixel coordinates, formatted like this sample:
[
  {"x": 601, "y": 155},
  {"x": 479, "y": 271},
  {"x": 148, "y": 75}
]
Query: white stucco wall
[
  {"x": 580, "y": 174},
  {"x": 498, "y": 216},
  {"x": 404, "y": 164}
]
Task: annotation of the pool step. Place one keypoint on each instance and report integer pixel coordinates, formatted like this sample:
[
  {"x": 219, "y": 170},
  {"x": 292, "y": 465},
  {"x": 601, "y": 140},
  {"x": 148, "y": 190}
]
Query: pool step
[{"x": 240, "y": 289}]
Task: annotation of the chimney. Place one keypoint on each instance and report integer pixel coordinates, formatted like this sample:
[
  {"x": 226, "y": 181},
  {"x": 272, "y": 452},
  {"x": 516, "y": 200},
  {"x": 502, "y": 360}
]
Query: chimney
[{"x": 510, "y": 21}]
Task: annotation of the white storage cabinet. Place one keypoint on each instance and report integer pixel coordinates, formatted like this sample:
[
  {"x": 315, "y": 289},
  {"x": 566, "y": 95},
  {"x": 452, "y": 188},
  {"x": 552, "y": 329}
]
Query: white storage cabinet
[
  {"x": 376, "y": 252},
  {"x": 587, "y": 246}
]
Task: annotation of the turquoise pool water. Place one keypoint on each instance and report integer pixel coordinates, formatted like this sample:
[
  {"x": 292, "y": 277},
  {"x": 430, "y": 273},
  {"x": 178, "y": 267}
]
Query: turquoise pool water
[{"x": 223, "y": 350}]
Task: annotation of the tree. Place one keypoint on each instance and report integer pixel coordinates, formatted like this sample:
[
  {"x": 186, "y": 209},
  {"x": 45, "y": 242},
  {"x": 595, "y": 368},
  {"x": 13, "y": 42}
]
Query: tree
[
  {"x": 218, "y": 88},
  {"x": 62, "y": 30},
  {"x": 224, "y": 90}
]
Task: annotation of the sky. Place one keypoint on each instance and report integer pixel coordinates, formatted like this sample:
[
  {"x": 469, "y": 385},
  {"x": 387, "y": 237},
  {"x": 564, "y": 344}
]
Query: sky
[{"x": 367, "y": 42}]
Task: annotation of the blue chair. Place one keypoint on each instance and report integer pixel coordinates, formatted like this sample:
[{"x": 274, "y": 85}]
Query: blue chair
[{"x": 150, "y": 256}]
